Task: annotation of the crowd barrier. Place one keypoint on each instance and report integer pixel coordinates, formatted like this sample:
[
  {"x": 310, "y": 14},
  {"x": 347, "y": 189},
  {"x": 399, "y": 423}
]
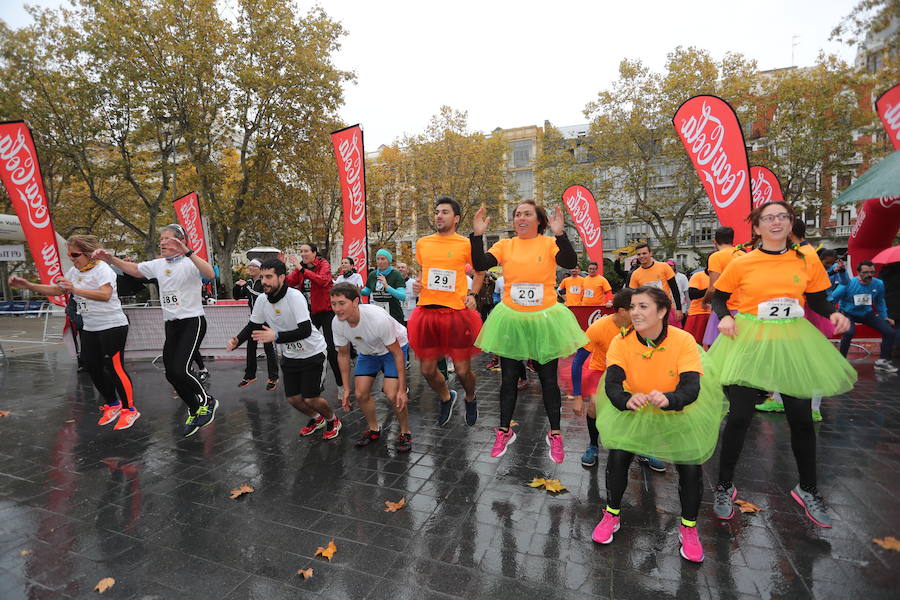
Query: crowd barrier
[{"x": 146, "y": 333}]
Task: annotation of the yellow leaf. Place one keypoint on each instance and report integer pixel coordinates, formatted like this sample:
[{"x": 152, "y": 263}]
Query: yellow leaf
[
  {"x": 25, "y": 552},
  {"x": 328, "y": 551},
  {"x": 513, "y": 423},
  {"x": 4, "y": 413},
  {"x": 240, "y": 491},
  {"x": 104, "y": 584},
  {"x": 537, "y": 482},
  {"x": 888, "y": 543},
  {"x": 70, "y": 421},
  {"x": 306, "y": 573},
  {"x": 554, "y": 485},
  {"x": 394, "y": 506},
  {"x": 747, "y": 507}
]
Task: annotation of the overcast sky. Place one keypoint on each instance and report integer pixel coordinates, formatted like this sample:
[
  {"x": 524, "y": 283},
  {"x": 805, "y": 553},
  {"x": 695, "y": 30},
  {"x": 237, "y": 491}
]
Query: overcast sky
[{"x": 514, "y": 63}]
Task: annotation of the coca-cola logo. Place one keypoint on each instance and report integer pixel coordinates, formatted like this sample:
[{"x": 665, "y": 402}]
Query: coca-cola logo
[
  {"x": 356, "y": 249},
  {"x": 20, "y": 172},
  {"x": 889, "y": 202},
  {"x": 594, "y": 316},
  {"x": 190, "y": 220},
  {"x": 351, "y": 161},
  {"x": 50, "y": 258},
  {"x": 892, "y": 120},
  {"x": 704, "y": 138},
  {"x": 579, "y": 207},
  {"x": 762, "y": 189},
  {"x": 860, "y": 217}
]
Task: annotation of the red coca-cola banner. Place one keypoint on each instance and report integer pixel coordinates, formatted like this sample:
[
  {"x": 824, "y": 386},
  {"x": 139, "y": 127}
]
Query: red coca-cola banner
[
  {"x": 21, "y": 174},
  {"x": 583, "y": 209},
  {"x": 187, "y": 211},
  {"x": 585, "y": 315},
  {"x": 888, "y": 107},
  {"x": 351, "y": 164},
  {"x": 765, "y": 186},
  {"x": 712, "y": 136},
  {"x": 877, "y": 223}
]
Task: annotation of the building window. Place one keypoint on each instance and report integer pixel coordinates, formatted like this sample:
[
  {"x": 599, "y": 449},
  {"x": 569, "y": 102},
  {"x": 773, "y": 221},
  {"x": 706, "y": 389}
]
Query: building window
[
  {"x": 524, "y": 181},
  {"x": 521, "y": 154},
  {"x": 843, "y": 182},
  {"x": 843, "y": 218}
]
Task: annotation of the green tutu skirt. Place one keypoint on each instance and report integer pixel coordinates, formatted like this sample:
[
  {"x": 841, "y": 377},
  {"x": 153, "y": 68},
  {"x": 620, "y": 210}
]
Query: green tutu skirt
[
  {"x": 542, "y": 335},
  {"x": 683, "y": 437},
  {"x": 789, "y": 356}
]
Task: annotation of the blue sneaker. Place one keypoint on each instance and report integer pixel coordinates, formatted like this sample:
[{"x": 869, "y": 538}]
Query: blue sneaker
[
  {"x": 447, "y": 409},
  {"x": 589, "y": 458},
  {"x": 471, "y": 412},
  {"x": 653, "y": 463}
]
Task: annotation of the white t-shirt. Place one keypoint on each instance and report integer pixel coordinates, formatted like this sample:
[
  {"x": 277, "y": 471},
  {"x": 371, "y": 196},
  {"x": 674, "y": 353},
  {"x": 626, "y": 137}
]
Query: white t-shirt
[
  {"x": 411, "y": 298},
  {"x": 498, "y": 287},
  {"x": 681, "y": 281},
  {"x": 374, "y": 332},
  {"x": 356, "y": 279},
  {"x": 97, "y": 315},
  {"x": 285, "y": 315},
  {"x": 180, "y": 285}
]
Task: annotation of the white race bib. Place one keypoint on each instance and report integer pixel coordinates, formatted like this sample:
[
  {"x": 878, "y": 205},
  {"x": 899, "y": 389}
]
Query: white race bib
[
  {"x": 385, "y": 305},
  {"x": 657, "y": 284},
  {"x": 577, "y": 290},
  {"x": 588, "y": 293},
  {"x": 862, "y": 299},
  {"x": 170, "y": 299},
  {"x": 81, "y": 305},
  {"x": 779, "y": 308},
  {"x": 442, "y": 280},
  {"x": 527, "y": 294},
  {"x": 294, "y": 347}
]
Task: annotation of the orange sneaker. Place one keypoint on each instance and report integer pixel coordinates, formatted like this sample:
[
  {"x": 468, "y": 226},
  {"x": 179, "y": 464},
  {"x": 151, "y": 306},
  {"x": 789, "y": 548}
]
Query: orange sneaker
[
  {"x": 332, "y": 428},
  {"x": 110, "y": 413},
  {"x": 127, "y": 419}
]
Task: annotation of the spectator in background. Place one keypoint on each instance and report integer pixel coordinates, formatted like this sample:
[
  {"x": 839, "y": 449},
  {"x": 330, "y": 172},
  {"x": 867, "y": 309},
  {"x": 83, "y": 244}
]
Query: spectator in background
[
  {"x": 682, "y": 281},
  {"x": 348, "y": 274},
  {"x": 860, "y": 299}
]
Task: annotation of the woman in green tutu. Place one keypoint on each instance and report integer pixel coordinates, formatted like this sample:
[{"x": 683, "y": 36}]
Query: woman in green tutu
[
  {"x": 654, "y": 402},
  {"x": 529, "y": 323},
  {"x": 769, "y": 345}
]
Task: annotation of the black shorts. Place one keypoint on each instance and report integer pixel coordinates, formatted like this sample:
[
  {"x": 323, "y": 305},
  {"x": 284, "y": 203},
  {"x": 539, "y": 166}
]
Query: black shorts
[{"x": 304, "y": 376}]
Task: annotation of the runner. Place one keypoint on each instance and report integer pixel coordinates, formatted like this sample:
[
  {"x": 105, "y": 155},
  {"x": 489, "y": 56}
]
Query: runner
[
  {"x": 682, "y": 281},
  {"x": 657, "y": 274},
  {"x": 179, "y": 275},
  {"x": 386, "y": 286},
  {"x": 768, "y": 346},
  {"x": 571, "y": 288},
  {"x": 860, "y": 299},
  {"x": 596, "y": 290},
  {"x": 444, "y": 322},
  {"x": 382, "y": 347},
  {"x": 698, "y": 312},
  {"x": 654, "y": 402},
  {"x": 584, "y": 382},
  {"x": 92, "y": 284},
  {"x": 529, "y": 323},
  {"x": 251, "y": 290},
  {"x": 409, "y": 304},
  {"x": 349, "y": 274},
  {"x": 282, "y": 316},
  {"x": 723, "y": 238}
]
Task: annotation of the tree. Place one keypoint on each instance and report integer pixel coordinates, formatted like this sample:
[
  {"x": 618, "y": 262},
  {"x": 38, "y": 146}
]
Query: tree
[
  {"x": 867, "y": 17},
  {"x": 559, "y": 164}
]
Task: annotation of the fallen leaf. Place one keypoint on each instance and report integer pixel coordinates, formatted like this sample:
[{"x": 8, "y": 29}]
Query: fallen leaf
[
  {"x": 104, "y": 584},
  {"x": 747, "y": 507},
  {"x": 4, "y": 413},
  {"x": 394, "y": 506},
  {"x": 70, "y": 421},
  {"x": 538, "y": 482},
  {"x": 240, "y": 491},
  {"x": 888, "y": 543},
  {"x": 513, "y": 423},
  {"x": 25, "y": 552},
  {"x": 306, "y": 573},
  {"x": 328, "y": 551},
  {"x": 554, "y": 485}
]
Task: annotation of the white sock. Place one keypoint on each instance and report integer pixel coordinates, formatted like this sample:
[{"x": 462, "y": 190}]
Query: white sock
[{"x": 816, "y": 403}]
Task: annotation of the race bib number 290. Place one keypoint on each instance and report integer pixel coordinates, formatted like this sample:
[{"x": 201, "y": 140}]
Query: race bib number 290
[
  {"x": 779, "y": 308},
  {"x": 294, "y": 347}
]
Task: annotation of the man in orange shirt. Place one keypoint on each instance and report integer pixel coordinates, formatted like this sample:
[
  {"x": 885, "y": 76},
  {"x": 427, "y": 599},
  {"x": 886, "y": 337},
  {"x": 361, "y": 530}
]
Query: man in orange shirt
[
  {"x": 596, "y": 289},
  {"x": 572, "y": 288},
  {"x": 718, "y": 260},
  {"x": 656, "y": 274}
]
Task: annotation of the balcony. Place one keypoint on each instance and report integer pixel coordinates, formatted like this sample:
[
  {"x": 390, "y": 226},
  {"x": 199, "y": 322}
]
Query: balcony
[{"x": 841, "y": 231}]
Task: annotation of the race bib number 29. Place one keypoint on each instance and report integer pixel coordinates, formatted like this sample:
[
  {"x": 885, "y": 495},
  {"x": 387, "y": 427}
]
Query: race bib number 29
[
  {"x": 779, "y": 308},
  {"x": 527, "y": 294},
  {"x": 442, "y": 280}
]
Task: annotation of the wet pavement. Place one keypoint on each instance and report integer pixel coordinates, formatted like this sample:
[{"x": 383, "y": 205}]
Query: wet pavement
[{"x": 79, "y": 503}]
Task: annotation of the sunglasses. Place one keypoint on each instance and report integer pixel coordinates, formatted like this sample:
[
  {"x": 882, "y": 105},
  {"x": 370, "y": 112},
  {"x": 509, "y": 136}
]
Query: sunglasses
[{"x": 75, "y": 254}]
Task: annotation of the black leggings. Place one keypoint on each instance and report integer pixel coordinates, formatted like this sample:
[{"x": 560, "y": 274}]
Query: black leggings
[
  {"x": 323, "y": 320},
  {"x": 511, "y": 371},
  {"x": 690, "y": 483},
  {"x": 183, "y": 338},
  {"x": 271, "y": 360},
  {"x": 104, "y": 359},
  {"x": 799, "y": 418}
]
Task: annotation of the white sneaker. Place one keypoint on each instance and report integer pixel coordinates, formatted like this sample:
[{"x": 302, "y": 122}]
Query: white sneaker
[{"x": 885, "y": 365}]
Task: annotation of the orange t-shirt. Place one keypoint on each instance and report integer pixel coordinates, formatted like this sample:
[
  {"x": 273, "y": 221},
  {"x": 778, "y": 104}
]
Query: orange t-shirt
[
  {"x": 647, "y": 369},
  {"x": 443, "y": 259},
  {"x": 758, "y": 277},
  {"x": 601, "y": 334},
  {"x": 529, "y": 269},
  {"x": 699, "y": 280},
  {"x": 573, "y": 286},
  {"x": 717, "y": 262},
  {"x": 658, "y": 275},
  {"x": 597, "y": 291}
]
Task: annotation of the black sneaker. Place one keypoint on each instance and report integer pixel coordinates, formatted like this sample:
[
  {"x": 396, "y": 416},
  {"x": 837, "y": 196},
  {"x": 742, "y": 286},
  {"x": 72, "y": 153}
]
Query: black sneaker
[
  {"x": 368, "y": 436},
  {"x": 447, "y": 409},
  {"x": 271, "y": 385},
  {"x": 245, "y": 381},
  {"x": 403, "y": 443},
  {"x": 190, "y": 426},
  {"x": 207, "y": 412},
  {"x": 471, "y": 412}
]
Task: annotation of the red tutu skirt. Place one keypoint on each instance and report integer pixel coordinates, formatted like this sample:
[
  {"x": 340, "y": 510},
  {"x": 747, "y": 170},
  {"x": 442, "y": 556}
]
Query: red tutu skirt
[
  {"x": 696, "y": 326},
  {"x": 438, "y": 332}
]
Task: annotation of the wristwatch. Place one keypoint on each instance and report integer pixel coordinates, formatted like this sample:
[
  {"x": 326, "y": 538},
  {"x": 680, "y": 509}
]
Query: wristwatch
[{"x": 188, "y": 253}]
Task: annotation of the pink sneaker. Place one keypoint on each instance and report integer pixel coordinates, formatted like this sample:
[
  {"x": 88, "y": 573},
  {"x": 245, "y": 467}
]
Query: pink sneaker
[
  {"x": 691, "y": 549},
  {"x": 110, "y": 414},
  {"x": 608, "y": 525},
  {"x": 502, "y": 442},
  {"x": 557, "y": 454}
]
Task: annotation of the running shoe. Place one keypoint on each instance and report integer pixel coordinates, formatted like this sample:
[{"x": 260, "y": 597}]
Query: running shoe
[
  {"x": 403, "y": 443},
  {"x": 471, "y": 412},
  {"x": 492, "y": 364},
  {"x": 885, "y": 365},
  {"x": 313, "y": 426},
  {"x": 654, "y": 464},
  {"x": 691, "y": 549},
  {"x": 723, "y": 501},
  {"x": 203, "y": 375},
  {"x": 529, "y": 364},
  {"x": 110, "y": 414},
  {"x": 502, "y": 440},
  {"x": 271, "y": 385},
  {"x": 246, "y": 381},
  {"x": 332, "y": 429},
  {"x": 447, "y": 409},
  {"x": 127, "y": 419},
  {"x": 555, "y": 444},
  {"x": 816, "y": 416},
  {"x": 368, "y": 436},
  {"x": 589, "y": 458},
  {"x": 608, "y": 525},
  {"x": 770, "y": 405},
  {"x": 814, "y": 506},
  {"x": 207, "y": 412},
  {"x": 190, "y": 426},
  {"x": 522, "y": 384}
]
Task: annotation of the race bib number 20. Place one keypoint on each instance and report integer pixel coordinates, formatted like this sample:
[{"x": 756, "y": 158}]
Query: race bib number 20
[
  {"x": 779, "y": 308},
  {"x": 527, "y": 294}
]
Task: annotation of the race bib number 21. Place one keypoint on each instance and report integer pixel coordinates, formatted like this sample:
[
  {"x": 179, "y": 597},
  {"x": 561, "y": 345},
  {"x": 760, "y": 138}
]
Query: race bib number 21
[{"x": 779, "y": 308}]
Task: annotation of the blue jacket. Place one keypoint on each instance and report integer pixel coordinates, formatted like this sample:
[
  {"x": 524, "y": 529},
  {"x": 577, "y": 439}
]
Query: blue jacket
[
  {"x": 846, "y": 295},
  {"x": 837, "y": 278}
]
